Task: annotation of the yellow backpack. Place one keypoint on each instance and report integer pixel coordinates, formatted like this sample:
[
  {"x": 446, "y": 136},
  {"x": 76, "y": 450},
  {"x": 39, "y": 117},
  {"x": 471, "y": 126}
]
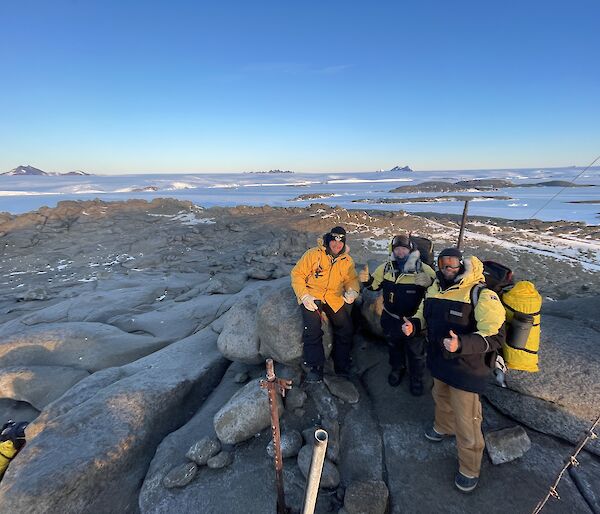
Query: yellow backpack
[
  {"x": 522, "y": 303},
  {"x": 12, "y": 440},
  {"x": 7, "y": 453}
]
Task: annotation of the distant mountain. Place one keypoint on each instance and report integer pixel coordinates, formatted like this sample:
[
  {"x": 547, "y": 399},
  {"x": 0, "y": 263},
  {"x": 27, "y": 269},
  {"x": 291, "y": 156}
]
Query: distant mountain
[
  {"x": 31, "y": 171},
  {"x": 403, "y": 168},
  {"x": 25, "y": 170},
  {"x": 272, "y": 171},
  {"x": 76, "y": 172}
]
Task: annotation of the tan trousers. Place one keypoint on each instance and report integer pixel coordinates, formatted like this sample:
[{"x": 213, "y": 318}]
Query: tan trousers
[{"x": 459, "y": 412}]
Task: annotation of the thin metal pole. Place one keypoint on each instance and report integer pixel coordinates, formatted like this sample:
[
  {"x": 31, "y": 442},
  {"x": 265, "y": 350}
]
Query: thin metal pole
[{"x": 462, "y": 225}]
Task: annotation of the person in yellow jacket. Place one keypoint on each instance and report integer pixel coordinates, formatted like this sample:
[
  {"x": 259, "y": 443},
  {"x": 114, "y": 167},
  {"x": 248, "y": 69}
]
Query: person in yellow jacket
[
  {"x": 324, "y": 279},
  {"x": 462, "y": 345}
]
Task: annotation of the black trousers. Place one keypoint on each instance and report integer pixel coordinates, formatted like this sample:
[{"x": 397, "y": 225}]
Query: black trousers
[
  {"x": 400, "y": 346},
  {"x": 312, "y": 337}
]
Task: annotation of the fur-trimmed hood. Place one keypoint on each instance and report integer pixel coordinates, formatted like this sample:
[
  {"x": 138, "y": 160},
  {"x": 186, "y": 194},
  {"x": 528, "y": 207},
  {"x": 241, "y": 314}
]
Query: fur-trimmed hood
[{"x": 473, "y": 272}]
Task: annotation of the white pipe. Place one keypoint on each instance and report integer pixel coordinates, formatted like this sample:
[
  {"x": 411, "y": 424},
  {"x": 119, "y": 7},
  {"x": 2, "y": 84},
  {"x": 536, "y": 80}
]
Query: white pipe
[{"x": 314, "y": 475}]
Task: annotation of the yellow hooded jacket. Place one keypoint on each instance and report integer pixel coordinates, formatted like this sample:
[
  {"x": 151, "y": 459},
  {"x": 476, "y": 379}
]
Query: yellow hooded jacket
[
  {"x": 326, "y": 278},
  {"x": 480, "y": 330}
]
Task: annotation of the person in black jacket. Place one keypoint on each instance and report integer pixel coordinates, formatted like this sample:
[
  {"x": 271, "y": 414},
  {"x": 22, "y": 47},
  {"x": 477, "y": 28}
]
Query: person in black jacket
[
  {"x": 404, "y": 280},
  {"x": 462, "y": 342}
]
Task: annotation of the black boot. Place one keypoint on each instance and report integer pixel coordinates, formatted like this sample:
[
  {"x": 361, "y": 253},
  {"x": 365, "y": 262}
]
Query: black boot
[
  {"x": 396, "y": 376},
  {"x": 416, "y": 384},
  {"x": 314, "y": 375}
]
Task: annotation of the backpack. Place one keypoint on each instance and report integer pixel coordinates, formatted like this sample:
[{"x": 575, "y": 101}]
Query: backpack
[
  {"x": 522, "y": 303},
  {"x": 425, "y": 247},
  {"x": 12, "y": 439},
  {"x": 497, "y": 276}
]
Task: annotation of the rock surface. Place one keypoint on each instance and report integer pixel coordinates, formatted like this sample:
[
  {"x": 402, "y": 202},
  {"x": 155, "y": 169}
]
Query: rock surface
[
  {"x": 507, "y": 444},
  {"x": 245, "y": 414},
  {"x": 140, "y": 402}
]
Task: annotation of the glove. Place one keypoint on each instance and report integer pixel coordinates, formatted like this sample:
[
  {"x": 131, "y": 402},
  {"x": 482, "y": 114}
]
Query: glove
[
  {"x": 350, "y": 296},
  {"x": 309, "y": 302},
  {"x": 363, "y": 274},
  {"x": 423, "y": 279}
]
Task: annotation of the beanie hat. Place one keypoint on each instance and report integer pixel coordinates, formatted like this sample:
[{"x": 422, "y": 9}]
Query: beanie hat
[
  {"x": 402, "y": 240},
  {"x": 337, "y": 233},
  {"x": 451, "y": 252}
]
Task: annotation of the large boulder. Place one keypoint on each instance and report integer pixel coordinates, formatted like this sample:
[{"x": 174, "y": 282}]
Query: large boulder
[
  {"x": 89, "y": 450},
  {"x": 38, "y": 385},
  {"x": 81, "y": 345},
  {"x": 562, "y": 398},
  {"x": 245, "y": 414},
  {"x": 280, "y": 327},
  {"x": 238, "y": 341}
]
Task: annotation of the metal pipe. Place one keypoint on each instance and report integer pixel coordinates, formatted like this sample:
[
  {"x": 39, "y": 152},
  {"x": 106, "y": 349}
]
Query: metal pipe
[
  {"x": 463, "y": 223},
  {"x": 316, "y": 468}
]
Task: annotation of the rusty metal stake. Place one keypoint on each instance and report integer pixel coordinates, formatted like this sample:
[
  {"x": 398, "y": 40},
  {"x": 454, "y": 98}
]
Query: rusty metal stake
[{"x": 275, "y": 385}]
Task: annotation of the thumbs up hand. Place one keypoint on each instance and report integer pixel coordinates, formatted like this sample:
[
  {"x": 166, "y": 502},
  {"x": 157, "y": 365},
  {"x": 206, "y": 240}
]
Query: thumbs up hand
[
  {"x": 451, "y": 342},
  {"x": 363, "y": 274},
  {"x": 407, "y": 327}
]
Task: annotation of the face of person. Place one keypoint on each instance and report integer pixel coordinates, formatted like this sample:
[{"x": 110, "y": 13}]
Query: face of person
[
  {"x": 401, "y": 252},
  {"x": 336, "y": 246},
  {"x": 449, "y": 266}
]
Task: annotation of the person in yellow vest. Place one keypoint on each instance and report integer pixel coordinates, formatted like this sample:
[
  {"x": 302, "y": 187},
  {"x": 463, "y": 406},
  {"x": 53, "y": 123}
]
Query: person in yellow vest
[
  {"x": 462, "y": 345},
  {"x": 404, "y": 280},
  {"x": 324, "y": 279}
]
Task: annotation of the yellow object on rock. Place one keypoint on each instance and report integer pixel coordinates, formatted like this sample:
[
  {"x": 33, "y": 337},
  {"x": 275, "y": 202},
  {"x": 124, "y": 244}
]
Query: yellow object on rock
[
  {"x": 7, "y": 452},
  {"x": 522, "y": 303}
]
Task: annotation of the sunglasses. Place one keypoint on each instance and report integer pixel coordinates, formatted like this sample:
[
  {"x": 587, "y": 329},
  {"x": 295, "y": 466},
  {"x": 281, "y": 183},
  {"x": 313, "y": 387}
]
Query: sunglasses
[
  {"x": 450, "y": 267},
  {"x": 337, "y": 237}
]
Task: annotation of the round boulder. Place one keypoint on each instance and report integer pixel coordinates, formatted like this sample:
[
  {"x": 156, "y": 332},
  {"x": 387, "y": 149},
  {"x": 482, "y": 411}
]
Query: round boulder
[{"x": 245, "y": 414}]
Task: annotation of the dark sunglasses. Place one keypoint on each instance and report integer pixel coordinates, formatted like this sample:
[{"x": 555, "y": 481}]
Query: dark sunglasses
[
  {"x": 450, "y": 267},
  {"x": 337, "y": 237}
]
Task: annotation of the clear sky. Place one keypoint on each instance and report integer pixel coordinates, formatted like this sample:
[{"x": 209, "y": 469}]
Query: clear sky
[{"x": 121, "y": 86}]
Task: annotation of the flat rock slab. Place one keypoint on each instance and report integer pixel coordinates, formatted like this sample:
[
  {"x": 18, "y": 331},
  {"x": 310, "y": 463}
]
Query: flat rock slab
[
  {"x": 81, "y": 345},
  {"x": 366, "y": 497},
  {"x": 38, "y": 385},
  {"x": 507, "y": 444},
  {"x": 342, "y": 389}
]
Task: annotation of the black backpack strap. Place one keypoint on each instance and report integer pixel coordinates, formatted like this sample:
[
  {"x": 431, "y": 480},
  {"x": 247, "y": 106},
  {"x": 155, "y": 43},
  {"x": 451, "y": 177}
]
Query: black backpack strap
[{"x": 476, "y": 293}]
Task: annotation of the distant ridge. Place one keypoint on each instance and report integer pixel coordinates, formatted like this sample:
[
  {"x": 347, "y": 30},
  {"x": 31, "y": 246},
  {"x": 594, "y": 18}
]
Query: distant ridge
[
  {"x": 272, "y": 171},
  {"x": 31, "y": 171},
  {"x": 403, "y": 168}
]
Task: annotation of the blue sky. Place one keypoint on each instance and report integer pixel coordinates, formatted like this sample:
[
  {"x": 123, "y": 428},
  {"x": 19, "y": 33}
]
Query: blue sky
[{"x": 144, "y": 86}]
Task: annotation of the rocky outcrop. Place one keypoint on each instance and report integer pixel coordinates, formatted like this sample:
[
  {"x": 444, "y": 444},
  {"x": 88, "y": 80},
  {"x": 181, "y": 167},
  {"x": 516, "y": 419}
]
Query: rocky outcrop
[
  {"x": 101, "y": 435},
  {"x": 562, "y": 398}
]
